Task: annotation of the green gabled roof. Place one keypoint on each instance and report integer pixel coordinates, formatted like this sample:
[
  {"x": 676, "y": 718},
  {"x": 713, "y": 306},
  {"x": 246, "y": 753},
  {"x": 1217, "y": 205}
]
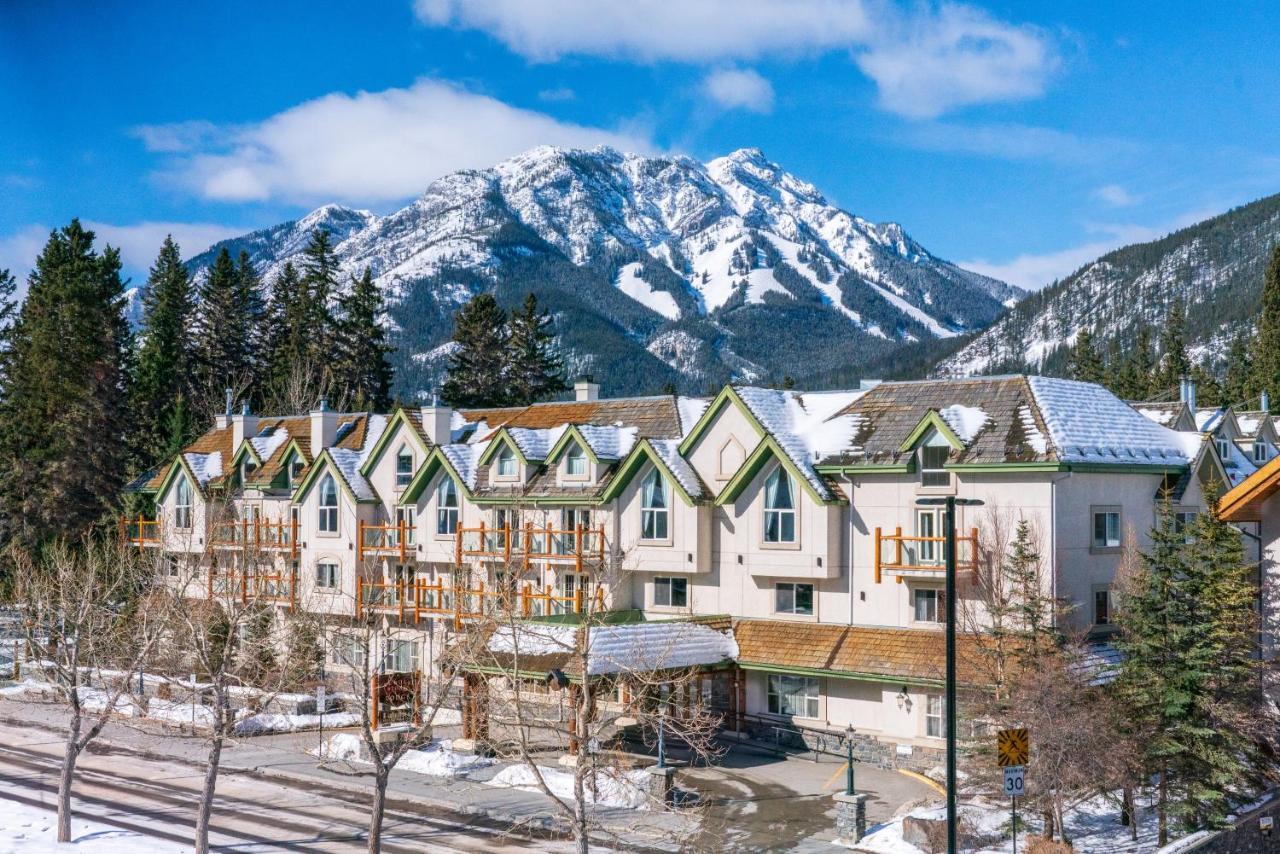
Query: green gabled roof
[
  {"x": 571, "y": 434},
  {"x": 436, "y": 459},
  {"x": 322, "y": 462},
  {"x": 631, "y": 466},
  {"x": 178, "y": 465},
  {"x": 726, "y": 396},
  {"x": 931, "y": 421},
  {"x": 502, "y": 437},
  {"x": 399, "y": 419},
  {"x": 756, "y": 460}
]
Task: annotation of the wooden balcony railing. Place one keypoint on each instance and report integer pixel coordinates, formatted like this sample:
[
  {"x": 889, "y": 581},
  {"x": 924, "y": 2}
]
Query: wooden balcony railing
[
  {"x": 279, "y": 587},
  {"x": 528, "y": 543},
  {"x": 393, "y": 540},
  {"x": 140, "y": 531},
  {"x": 896, "y": 553},
  {"x": 413, "y": 599},
  {"x": 264, "y": 534}
]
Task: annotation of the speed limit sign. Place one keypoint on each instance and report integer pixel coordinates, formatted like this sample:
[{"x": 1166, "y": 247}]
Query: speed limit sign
[{"x": 1015, "y": 780}]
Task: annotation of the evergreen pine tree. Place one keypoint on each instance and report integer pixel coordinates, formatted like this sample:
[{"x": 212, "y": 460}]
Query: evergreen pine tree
[
  {"x": 1174, "y": 362},
  {"x": 1134, "y": 381},
  {"x": 362, "y": 374},
  {"x": 1266, "y": 353},
  {"x": 319, "y": 283},
  {"x": 282, "y": 337},
  {"x": 224, "y": 336},
  {"x": 477, "y": 366},
  {"x": 535, "y": 370},
  {"x": 163, "y": 365},
  {"x": 1086, "y": 362},
  {"x": 1208, "y": 390},
  {"x": 63, "y": 413},
  {"x": 1237, "y": 383},
  {"x": 249, "y": 297}
]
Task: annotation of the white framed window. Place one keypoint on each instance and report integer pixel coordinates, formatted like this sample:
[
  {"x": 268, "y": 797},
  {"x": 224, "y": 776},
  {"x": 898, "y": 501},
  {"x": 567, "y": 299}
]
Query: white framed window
[
  {"x": 295, "y": 471},
  {"x": 171, "y": 566},
  {"x": 327, "y": 522},
  {"x": 402, "y": 656},
  {"x": 1106, "y": 529},
  {"x": 1102, "y": 606},
  {"x": 1259, "y": 451},
  {"x": 348, "y": 651},
  {"x": 246, "y": 470},
  {"x": 404, "y": 466},
  {"x": 1183, "y": 521},
  {"x": 569, "y": 584},
  {"x": 506, "y": 462},
  {"x": 575, "y": 461},
  {"x": 566, "y": 543},
  {"x": 1224, "y": 449},
  {"x": 409, "y": 516},
  {"x": 655, "y": 521},
  {"x": 182, "y": 503},
  {"x": 928, "y": 605},
  {"x": 327, "y": 574},
  {"x": 797, "y": 696},
  {"x": 447, "y": 507},
  {"x": 933, "y": 458},
  {"x": 934, "y": 716},
  {"x": 671, "y": 592},
  {"x": 790, "y": 597},
  {"x": 779, "y": 508},
  {"x": 928, "y": 552}
]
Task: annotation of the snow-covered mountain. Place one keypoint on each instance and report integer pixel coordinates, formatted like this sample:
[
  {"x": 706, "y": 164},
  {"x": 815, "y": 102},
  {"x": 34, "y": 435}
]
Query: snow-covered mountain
[
  {"x": 659, "y": 269},
  {"x": 1216, "y": 266}
]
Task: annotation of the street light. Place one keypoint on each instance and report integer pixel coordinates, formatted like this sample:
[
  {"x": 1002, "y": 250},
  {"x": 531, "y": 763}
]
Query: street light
[
  {"x": 848, "y": 747},
  {"x": 949, "y": 544}
]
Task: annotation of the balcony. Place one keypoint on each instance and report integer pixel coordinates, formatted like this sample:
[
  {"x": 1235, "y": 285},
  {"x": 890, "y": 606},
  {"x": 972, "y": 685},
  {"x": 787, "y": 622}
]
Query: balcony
[
  {"x": 139, "y": 532},
  {"x": 384, "y": 540},
  {"x": 256, "y": 534},
  {"x": 413, "y": 599},
  {"x": 922, "y": 557},
  {"x": 280, "y": 587},
  {"x": 522, "y": 545}
]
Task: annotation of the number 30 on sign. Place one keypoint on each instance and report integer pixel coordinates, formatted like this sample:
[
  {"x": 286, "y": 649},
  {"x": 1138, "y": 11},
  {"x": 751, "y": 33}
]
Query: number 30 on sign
[{"x": 1015, "y": 781}]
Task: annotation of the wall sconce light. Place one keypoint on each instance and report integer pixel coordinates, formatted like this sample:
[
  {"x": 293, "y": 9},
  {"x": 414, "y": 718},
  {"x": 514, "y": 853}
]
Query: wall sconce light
[{"x": 904, "y": 700}]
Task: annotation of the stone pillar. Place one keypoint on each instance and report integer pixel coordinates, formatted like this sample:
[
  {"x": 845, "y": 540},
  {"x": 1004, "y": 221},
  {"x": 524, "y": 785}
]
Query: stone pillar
[
  {"x": 851, "y": 818},
  {"x": 662, "y": 783}
]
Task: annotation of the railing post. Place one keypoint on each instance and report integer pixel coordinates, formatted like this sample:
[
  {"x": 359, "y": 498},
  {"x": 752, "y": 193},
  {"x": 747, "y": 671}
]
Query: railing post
[
  {"x": 400, "y": 526},
  {"x": 577, "y": 600},
  {"x": 400, "y": 592},
  {"x": 528, "y": 543},
  {"x": 506, "y": 543},
  {"x": 480, "y": 589},
  {"x": 601, "y": 535},
  {"x": 897, "y": 554},
  {"x": 359, "y": 595},
  {"x": 524, "y": 601},
  {"x": 877, "y": 564},
  {"x": 359, "y": 539},
  {"x": 577, "y": 552}
]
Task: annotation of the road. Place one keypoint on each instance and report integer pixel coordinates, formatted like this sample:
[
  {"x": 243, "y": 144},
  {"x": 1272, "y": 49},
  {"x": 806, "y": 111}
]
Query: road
[{"x": 158, "y": 797}]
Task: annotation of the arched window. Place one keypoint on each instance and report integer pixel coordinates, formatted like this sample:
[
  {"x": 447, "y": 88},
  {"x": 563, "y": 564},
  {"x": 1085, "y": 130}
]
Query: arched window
[
  {"x": 506, "y": 462},
  {"x": 779, "y": 508},
  {"x": 575, "y": 461},
  {"x": 404, "y": 466},
  {"x": 447, "y": 507},
  {"x": 182, "y": 503},
  {"x": 328, "y": 521},
  {"x": 654, "y": 508}
]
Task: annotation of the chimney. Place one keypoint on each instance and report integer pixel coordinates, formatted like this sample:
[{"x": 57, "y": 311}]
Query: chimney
[
  {"x": 1266, "y": 401},
  {"x": 324, "y": 427},
  {"x": 1188, "y": 393},
  {"x": 243, "y": 425},
  {"x": 223, "y": 420},
  {"x": 585, "y": 389},
  {"x": 437, "y": 422}
]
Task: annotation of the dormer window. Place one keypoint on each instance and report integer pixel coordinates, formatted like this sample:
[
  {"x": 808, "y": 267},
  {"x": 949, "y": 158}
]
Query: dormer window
[
  {"x": 1224, "y": 449},
  {"x": 655, "y": 522},
  {"x": 779, "y": 508},
  {"x": 447, "y": 507},
  {"x": 506, "y": 462},
  {"x": 182, "y": 504},
  {"x": 246, "y": 471},
  {"x": 327, "y": 521},
  {"x": 933, "y": 459},
  {"x": 575, "y": 461},
  {"x": 404, "y": 467},
  {"x": 295, "y": 471},
  {"x": 1259, "y": 451}
]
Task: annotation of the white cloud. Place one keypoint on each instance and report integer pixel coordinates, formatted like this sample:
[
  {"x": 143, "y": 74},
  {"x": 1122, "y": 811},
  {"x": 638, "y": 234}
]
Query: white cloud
[
  {"x": 1015, "y": 142},
  {"x": 924, "y": 61},
  {"x": 1115, "y": 195},
  {"x": 18, "y": 252},
  {"x": 364, "y": 148},
  {"x": 733, "y": 88}
]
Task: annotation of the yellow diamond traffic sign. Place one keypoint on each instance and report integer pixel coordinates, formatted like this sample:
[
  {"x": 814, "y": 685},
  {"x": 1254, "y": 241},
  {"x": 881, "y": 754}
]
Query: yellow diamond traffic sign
[{"x": 1013, "y": 747}]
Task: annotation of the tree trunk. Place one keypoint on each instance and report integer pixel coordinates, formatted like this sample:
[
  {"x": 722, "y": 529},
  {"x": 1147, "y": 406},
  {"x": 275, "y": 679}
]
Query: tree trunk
[
  {"x": 1048, "y": 823},
  {"x": 204, "y": 811},
  {"x": 1162, "y": 803},
  {"x": 378, "y": 806},
  {"x": 64, "y": 783}
]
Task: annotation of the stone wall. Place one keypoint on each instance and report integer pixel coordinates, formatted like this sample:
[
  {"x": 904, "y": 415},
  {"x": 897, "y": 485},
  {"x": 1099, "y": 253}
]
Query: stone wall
[{"x": 1247, "y": 835}]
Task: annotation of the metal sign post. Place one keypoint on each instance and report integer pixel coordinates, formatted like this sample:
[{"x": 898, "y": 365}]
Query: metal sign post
[
  {"x": 320, "y": 704},
  {"x": 1013, "y": 752}
]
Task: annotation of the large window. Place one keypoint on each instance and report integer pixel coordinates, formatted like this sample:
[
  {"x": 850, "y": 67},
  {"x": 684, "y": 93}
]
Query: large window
[
  {"x": 654, "y": 508},
  {"x": 328, "y": 520},
  {"x": 928, "y": 550},
  {"x": 934, "y": 714},
  {"x": 348, "y": 651},
  {"x": 182, "y": 503},
  {"x": 447, "y": 507},
  {"x": 404, "y": 467},
  {"x": 1224, "y": 450},
  {"x": 409, "y": 517},
  {"x": 793, "y": 598},
  {"x": 671, "y": 592},
  {"x": 793, "y": 695},
  {"x": 327, "y": 574},
  {"x": 1106, "y": 529},
  {"x": 506, "y": 462},
  {"x": 402, "y": 656},
  {"x": 929, "y": 605},
  {"x": 779, "y": 508},
  {"x": 1259, "y": 451},
  {"x": 932, "y": 460},
  {"x": 575, "y": 461},
  {"x": 1183, "y": 521}
]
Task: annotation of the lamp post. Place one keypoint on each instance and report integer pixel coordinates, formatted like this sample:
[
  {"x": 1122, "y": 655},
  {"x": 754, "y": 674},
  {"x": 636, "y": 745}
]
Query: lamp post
[
  {"x": 949, "y": 545},
  {"x": 662, "y": 736},
  {"x": 848, "y": 749}
]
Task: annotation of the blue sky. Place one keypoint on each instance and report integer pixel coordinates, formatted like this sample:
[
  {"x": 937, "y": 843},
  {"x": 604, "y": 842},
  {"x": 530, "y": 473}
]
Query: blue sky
[{"x": 1022, "y": 139}]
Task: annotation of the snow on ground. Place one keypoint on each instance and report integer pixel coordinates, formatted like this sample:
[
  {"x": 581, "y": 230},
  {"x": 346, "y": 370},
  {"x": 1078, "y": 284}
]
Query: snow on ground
[
  {"x": 613, "y": 788},
  {"x": 264, "y": 723},
  {"x": 178, "y": 712},
  {"x": 34, "y": 830},
  {"x": 630, "y": 283},
  {"x": 436, "y": 759}
]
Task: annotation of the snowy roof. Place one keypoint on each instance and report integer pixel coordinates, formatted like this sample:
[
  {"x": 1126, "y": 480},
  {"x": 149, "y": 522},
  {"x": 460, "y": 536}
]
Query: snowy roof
[
  {"x": 634, "y": 647},
  {"x": 1164, "y": 416},
  {"x": 666, "y": 449},
  {"x": 690, "y": 410},
  {"x": 1089, "y": 424},
  {"x": 267, "y": 443},
  {"x": 1209, "y": 419},
  {"x": 205, "y": 467},
  {"x": 536, "y": 444},
  {"x": 609, "y": 443},
  {"x": 463, "y": 458},
  {"x": 1250, "y": 422},
  {"x": 964, "y": 421},
  {"x": 348, "y": 461}
]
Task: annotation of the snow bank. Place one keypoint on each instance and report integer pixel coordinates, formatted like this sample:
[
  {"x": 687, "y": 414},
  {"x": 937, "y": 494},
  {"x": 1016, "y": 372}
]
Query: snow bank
[
  {"x": 625, "y": 790},
  {"x": 33, "y": 830},
  {"x": 178, "y": 712},
  {"x": 265, "y": 723},
  {"x": 436, "y": 759}
]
